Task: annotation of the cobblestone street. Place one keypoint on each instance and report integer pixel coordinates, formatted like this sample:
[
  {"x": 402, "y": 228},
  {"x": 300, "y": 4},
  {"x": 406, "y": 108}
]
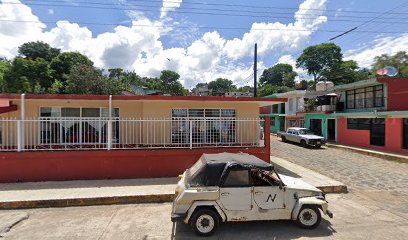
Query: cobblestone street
[{"x": 374, "y": 177}]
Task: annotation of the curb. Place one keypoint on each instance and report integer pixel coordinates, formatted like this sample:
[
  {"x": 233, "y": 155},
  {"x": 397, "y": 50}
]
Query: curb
[
  {"x": 157, "y": 198},
  {"x": 386, "y": 156},
  {"x": 334, "y": 189}
]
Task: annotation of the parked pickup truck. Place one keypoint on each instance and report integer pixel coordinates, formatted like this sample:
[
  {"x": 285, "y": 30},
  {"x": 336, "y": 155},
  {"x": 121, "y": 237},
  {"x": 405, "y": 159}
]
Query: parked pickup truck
[{"x": 303, "y": 136}]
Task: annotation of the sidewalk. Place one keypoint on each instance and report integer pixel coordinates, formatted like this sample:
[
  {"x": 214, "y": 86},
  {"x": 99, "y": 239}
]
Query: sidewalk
[
  {"x": 373, "y": 153},
  {"x": 126, "y": 191}
]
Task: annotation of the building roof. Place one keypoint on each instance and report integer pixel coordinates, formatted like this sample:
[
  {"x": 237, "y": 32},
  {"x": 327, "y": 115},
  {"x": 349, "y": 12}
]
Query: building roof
[
  {"x": 362, "y": 83},
  {"x": 288, "y": 94},
  {"x": 261, "y": 101}
]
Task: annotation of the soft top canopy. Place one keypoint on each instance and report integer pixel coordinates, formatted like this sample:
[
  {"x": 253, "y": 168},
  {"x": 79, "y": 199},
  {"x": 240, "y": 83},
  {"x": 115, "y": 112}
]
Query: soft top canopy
[{"x": 214, "y": 167}]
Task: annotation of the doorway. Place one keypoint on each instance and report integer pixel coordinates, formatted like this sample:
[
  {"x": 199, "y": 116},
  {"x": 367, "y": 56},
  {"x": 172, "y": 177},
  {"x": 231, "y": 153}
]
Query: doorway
[
  {"x": 316, "y": 126},
  {"x": 331, "y": 129},
  {"x": 377, "y": 132}
]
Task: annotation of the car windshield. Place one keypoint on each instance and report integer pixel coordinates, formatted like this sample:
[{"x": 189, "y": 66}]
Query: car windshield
[{"x": 305, "y": 132}]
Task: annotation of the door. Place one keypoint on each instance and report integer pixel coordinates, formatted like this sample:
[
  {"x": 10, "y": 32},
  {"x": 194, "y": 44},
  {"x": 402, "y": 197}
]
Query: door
[
  {"x": 377, "y": 132},
  {"x": 405, "y": 133},
  {"x": 236, "y": 192},
  {"x": 269, "y": 197},
  {"x": 316, "y": 126},
  {"x": 331, "y": 129}
]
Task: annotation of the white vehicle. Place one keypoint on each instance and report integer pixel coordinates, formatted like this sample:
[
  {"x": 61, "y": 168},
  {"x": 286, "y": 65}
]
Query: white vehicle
[
  {"x": 230, "y": 187},
  {"x": 303, "y": 136}
]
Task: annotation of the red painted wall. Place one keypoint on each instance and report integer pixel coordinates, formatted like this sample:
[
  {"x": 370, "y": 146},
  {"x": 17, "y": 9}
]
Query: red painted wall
[
  {"x": 119, "y": 164},
  {"x": 397, "y": 93},
  {"x": 361, "y": 138},
  {"x": 115, "y": 164}
]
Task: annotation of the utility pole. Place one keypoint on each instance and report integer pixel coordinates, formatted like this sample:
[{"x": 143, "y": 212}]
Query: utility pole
[{"x": 255, "y": 69}]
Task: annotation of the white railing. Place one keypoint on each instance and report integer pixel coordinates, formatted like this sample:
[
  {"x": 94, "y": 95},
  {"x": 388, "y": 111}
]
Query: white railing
[{"x": 34, "y": 134}]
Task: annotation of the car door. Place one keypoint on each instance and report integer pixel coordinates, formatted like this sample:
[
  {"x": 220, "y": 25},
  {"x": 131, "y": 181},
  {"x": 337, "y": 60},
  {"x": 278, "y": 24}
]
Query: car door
[
  {"x": 268, "y": 195},
  {"x": 235, "y": 191}
]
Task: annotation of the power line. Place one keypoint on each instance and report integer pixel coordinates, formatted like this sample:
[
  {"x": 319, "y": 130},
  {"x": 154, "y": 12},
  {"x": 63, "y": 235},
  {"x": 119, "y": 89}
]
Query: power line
[
  {"x": 199, "y": 27},
  {"x": 247, "y": 6},
  {"x": 368, "y": 21},
  {"x": 37, "y": 3}
]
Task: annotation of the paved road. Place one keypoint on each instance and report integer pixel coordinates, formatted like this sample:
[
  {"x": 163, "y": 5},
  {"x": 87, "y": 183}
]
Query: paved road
[
  {"x": 354, "y": 219},
  {"x": 370, "y": 176}
]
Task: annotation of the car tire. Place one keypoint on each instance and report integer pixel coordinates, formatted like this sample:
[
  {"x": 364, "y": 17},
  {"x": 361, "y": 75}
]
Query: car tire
[
  {"x": 204, "y": 222},
  {"x": 303, "y": 143},
  {"x": 284, "y": 139},
  {"x": 309, "y": 217}
]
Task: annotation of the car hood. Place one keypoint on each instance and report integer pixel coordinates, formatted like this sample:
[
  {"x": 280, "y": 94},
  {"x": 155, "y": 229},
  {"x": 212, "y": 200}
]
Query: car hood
[
  {"x": 296, "y": 183},
  {"x": 312, "y": 137}
]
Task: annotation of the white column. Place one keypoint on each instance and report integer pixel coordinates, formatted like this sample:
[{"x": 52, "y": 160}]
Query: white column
[
  {"x": 20, "y": 125},
  {"x": 109, "y": 135}
]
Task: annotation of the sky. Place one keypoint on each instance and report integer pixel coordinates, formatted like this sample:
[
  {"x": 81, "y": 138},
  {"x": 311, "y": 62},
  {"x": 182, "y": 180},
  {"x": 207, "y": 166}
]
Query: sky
[{"x": 204, "y": 39}]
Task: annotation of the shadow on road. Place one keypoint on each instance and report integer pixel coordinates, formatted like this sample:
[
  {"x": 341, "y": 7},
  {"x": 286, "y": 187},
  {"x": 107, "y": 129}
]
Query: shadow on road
[{"x": 257, "y": 230}]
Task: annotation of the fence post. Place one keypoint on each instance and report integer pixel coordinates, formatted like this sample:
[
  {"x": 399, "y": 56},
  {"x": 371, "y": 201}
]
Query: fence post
[
  {"x": 191, "y": 134},
  {"x": 109, "y": 140},
  {"x": 19, "y": 137},
  {"x": 21, "y": 125}
]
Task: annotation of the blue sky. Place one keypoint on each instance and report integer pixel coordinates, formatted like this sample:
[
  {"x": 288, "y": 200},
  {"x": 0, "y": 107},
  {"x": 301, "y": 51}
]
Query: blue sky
[{"x": 202, "y": 36}]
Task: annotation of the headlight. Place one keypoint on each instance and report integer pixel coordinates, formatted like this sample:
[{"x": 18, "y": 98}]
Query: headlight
[
  {"x": 177, "y": 191},
  {"x": 180, "y": 177}
]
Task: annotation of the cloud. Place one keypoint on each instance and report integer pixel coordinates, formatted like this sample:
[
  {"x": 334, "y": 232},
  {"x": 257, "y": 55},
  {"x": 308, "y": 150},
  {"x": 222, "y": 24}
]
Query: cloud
[
  {"x": 289, "y": 59},
  {"x": 382, "y": 45},
  {"x": 169, "y": 6},
  {"x": 139, "y": 46},
  {"x": 285, "y": 37}
]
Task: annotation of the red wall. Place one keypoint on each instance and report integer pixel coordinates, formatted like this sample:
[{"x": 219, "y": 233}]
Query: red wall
[
  {"x": 397, "y": 93},
  {"x": 361, "y": 138},
  {"x": 118, "y": 164}
]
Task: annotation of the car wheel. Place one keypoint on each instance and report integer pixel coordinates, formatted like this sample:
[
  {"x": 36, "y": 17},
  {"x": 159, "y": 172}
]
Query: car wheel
[
  {"x": 204, "y": 222},
  {"x": 283, "y": 139},
  {"x": 309, "y": 217},
  {"x": 303, "y": 143}
]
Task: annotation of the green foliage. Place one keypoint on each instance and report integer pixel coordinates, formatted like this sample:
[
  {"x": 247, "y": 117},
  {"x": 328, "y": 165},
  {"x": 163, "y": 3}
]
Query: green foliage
[
  {"x": 220, "y": 86},
  {"x": 245, "y": 89},
  {"x": 320, "y": 60},
  {"x": 289, "y": 79},
  {"x": 115, "y": 73},
  {"x": 63, "y": 63},
  {"x": 5, "y": 66},
  {"x": 34, "y": 50},
  {"x": 399, "y": 61},
  {"x": 268, "y": 89},
  {"x": 169, "y": 84},
  {"x": 28, "y": 76},
  {"x": 347, "y": 72},
  {"x": 276, "y": 75},
  {"x": 85, "y": 79}
]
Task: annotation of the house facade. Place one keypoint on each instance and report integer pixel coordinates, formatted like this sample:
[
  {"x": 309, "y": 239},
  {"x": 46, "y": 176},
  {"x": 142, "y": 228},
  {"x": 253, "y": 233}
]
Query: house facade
[
  {"x": 289, "y": 114},
  {"x": 66, "y": 137}
]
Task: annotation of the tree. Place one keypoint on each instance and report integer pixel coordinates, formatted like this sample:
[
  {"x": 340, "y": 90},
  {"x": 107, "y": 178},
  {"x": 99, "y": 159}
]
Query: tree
[
  {"x": 289, "y": 79},
  {"x": 321, "y": 59},
  {"x": 115, "y": 73},
  {"x": 85, "y": 79},
  {"x": 170, "y": 84},
  {"x": 5, "y": 66},
  {"x": 275, "y": 74},
  {"x": 63, "y": 63},
  {"x": 220, "y": 86},
  {"x": 34, "y": 50},
  {"x": 347, "y": 72},
  {"x": 245, "y": 89},
  {"x": 28, "y": 76},
  {"x": 399, "y": 61}
]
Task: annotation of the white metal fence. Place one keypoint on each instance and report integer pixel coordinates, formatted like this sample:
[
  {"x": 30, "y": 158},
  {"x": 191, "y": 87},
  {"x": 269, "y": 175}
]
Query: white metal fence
[{"x": 128, "y": 133}]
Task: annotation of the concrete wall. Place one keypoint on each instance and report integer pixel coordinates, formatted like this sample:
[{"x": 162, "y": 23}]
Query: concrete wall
[
  {"x": 361, "y": 138},
  {"x": 397, "y": 89}
]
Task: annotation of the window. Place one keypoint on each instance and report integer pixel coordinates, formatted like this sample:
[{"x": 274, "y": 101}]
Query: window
[
  {"x": 302, "y": 123},
  {"x": 290, "y": 104},
  {"x": 405, "y": 133},
  {"x": 358, "y": 123},
  {"x": 292, "y": 123},
  {"x": 365, "y": 97},
  {"x": 237, "y": 178},
  {"x": 61, "y": 125},
  {"x": 208, "y": 125},
  {"x": 272, "y": 122}
]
